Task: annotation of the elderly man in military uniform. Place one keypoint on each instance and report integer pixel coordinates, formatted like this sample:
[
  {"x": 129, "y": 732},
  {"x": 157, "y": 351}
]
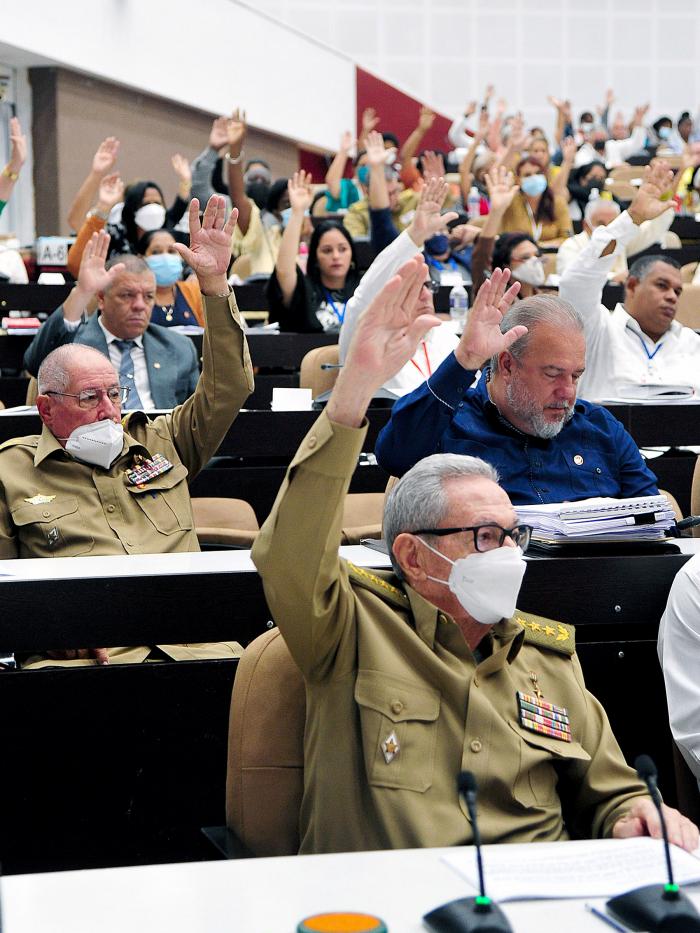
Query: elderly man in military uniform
[
  {"x": 414, "y": 675},
  {"x": 91, "y": 484}
]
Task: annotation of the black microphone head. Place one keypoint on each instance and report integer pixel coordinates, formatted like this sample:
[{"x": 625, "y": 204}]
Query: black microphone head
[
  {"x": 645, "y": 768},
  {"x": 466, "y": 782}
]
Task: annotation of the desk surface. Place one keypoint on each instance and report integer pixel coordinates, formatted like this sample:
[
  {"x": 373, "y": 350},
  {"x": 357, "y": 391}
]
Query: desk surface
[{"x": 266, "y": 895}]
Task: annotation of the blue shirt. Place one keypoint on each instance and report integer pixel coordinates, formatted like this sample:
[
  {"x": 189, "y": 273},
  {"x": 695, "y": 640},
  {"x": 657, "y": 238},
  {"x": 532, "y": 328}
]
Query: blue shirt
[{"x": 592, "y": 455}]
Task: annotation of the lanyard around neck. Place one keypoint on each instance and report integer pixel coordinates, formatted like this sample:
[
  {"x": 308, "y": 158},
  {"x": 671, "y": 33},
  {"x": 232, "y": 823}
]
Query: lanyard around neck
[
  {"x": 338, "y": 314},
  {"x": 427, "y": 362},
  {"x": 536, "y": 228},
  {"x": 650, "y": 356}
]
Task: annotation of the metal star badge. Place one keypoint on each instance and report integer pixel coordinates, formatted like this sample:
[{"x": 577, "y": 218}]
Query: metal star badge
[{"x": 390, "y": 747}]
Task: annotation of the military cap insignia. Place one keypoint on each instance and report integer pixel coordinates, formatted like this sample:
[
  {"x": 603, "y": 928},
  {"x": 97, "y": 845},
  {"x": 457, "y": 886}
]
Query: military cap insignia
[
  {"x": 38, "y": 499},
  {"x": 390, "y": 747}
]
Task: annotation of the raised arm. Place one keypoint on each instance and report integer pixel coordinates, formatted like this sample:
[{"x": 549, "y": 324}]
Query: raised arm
[
  {"x": 237, "y": 129},
  {"x": 426, "y": 118},
  {"x": 419, "y": 420},
  {"x": 370, "y": 120},
  {"x": 103, "y": 163},
  {"x": 502, "y": 189},
  {"x": 466, "y": 176},
  {"x": 300, "y": 197},
  {"x": 204, "y": 164},
  {"x": 336, "y": 170},
  {"x": 457, "y": 133},
  {"x": 561, "y": 179},
  {"x": 110, "y": 192}
]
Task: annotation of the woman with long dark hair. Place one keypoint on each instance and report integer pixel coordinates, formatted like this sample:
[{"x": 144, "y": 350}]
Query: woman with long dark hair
[
  {"x": 314, "y": 300},
  {"x": 535, "y": 209}
]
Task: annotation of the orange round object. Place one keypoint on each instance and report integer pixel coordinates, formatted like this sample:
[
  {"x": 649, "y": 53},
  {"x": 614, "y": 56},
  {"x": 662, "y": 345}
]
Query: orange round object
[{"x": 342, "y": 922}]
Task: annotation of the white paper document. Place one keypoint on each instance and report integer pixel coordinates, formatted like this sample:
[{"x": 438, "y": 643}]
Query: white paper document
[
  {"x": 580, "y": 868},
  {"x": 642, "y": 518}
]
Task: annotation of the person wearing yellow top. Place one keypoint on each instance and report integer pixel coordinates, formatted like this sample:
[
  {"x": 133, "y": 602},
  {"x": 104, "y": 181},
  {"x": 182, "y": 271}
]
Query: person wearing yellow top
[{"x": 535, "y": 209}]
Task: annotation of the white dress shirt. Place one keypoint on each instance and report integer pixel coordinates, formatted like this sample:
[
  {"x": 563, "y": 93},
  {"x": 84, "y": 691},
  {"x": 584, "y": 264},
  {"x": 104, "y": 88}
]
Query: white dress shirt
[
  {"x": 679, "y": 654},
  {"x": 138, "y": 358},
  {"x": 617, "y": 351},
  {"x": 439, "y": 341}
]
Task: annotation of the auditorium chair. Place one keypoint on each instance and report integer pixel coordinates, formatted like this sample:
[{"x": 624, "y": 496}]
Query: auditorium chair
[
  {"x": 265, "y": 776},
  {"x": 687, "y": 272},
  {"x": 311, "y": 376},
  {"x": 688, "y": 307},
  {"x": 223, "y": 521},
  {"x": 362, "y": 516}
]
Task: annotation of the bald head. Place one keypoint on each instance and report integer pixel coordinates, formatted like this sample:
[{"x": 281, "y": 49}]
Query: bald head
[{"x": 56, "y": 372}]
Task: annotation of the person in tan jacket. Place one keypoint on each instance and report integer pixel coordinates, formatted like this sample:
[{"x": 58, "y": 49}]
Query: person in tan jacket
[
  {"x": 414, "y": 675},
  {"x": 92, "y": 484}
]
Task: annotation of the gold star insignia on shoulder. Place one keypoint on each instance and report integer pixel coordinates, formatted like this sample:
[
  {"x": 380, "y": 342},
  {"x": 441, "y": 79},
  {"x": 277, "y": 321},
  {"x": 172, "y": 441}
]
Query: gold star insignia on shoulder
[
  {"x": 548, "y": 630},
  {"x": 38, "y": 499}
]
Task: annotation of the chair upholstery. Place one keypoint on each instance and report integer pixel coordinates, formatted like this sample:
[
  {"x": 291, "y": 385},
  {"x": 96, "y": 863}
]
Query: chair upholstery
[
  {"x": 362, "y": 516},
  {"x": 32, "y": 391},
  {"x": 688, "y": 308},
  {"x": 224, "y": 521},
  {"x": 688, "y": 271},
  {"x": 265, "y": 777},
  {"x": 673, "y": 502},
  {"x": 311, "y": 376}
]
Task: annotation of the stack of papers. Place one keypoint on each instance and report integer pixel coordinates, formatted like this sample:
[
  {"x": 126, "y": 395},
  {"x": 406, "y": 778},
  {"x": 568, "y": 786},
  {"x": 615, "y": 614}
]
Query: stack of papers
[
  {"x": 655, "y": 394},
  {"x": 644, "y": 518}
]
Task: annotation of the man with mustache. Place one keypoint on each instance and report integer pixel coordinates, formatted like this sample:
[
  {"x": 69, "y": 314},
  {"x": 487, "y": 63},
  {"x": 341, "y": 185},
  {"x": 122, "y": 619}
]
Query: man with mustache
[{"x": 523, "y": 415}]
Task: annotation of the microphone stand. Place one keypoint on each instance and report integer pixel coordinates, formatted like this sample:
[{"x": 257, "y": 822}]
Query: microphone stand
[
  {"x": 655, "y": 907},
  {"x": 468, "y": 914}
]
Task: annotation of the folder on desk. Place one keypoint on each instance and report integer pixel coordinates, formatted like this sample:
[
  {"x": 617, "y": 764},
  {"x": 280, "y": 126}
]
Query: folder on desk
[{"x": 642, "y": 518}]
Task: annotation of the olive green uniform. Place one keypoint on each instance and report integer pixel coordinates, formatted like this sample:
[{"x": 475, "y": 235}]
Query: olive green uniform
[
  {"x": 52, "y": 505},
  {"x": 397, "y": 704}
]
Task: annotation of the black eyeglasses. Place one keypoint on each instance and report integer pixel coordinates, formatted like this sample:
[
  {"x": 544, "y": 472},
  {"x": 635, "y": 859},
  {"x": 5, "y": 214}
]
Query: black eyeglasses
[
  {"x": 432, "y": 286},
  {"x": 90, "y": 398},
  {"x": 487, "y": 537}
]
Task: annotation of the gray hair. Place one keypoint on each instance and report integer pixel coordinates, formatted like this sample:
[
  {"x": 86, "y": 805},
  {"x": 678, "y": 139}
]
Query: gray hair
[
  {"x": 55, "y": 372},
  {"x": 642, "y": 266},
  {"x": 540, "y": 309},
  {"x": 418, "y": 500},
  {"x": 593, "y": 206},
  {"x": 133, "y": 265}
]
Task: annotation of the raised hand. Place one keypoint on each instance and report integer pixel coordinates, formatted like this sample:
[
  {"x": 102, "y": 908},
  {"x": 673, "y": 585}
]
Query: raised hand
[
  {"x": 218, "y": 135},
  {"x": 482, "y": 337},
  {"x": 427, "y": 219},
  {"x": 93, "y": 277},
  {"x": 488, "y": 93},
  {"x": 374, "y": 146},
  {"x": 300, "y": 192},
  {"x": 568, "y": 149},
  {"x": 104, "y": 159},
  {"x": 426, "y": 119},
  {"x": 501, "y": 187},
  {"x": 19, "y": 145},
  {"x": 236, "y": 129},
  {"x": 483, "y": 127},
  {"x": 647, "y": 203},
  {"x": 386, "y": 338},
  {"x": 433, "y": 165},
  {"x": 346, "y": 142},
  {"x": 519, "y": 137},
  {"x": 369, "y": 120},
  {"x": 556, "y": 102},
  {"x": 209, "y": 252},
  {"x": 639, "y": 114},
  {"x": 182, "y": 169},
  {"x": 501, "y": 105},
  {"x": 110, "y": 192},
  {"x": 470, "y": 108}
]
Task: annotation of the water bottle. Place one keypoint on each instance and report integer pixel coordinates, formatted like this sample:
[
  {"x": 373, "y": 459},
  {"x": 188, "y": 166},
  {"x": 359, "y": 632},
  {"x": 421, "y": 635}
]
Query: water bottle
[
  {"x": 459, "y": 305},
  {"x": 474, "y": 203}
]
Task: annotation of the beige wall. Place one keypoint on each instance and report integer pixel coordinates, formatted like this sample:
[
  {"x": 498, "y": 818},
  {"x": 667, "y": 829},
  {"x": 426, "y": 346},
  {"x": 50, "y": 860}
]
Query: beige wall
[{"x": 73, "y": 113}]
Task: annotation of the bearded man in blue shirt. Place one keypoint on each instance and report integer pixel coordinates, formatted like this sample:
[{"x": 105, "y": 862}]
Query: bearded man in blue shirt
[{"x": 523, "y": 415}]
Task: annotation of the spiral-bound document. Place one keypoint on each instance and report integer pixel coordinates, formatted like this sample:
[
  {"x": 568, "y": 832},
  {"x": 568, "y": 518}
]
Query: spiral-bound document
[{"x": 643, "y": 518}]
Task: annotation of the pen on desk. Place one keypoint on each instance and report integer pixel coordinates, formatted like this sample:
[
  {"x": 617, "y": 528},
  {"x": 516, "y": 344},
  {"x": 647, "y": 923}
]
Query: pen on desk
[{"x": 604, "y": 917}]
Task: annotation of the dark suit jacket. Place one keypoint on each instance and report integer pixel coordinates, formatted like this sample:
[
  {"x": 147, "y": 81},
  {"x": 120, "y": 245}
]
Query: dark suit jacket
[{"x": 171, "y": 358}]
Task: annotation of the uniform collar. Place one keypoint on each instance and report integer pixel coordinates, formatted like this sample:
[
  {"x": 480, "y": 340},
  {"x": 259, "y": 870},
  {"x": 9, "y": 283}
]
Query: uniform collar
[
  {"x": 48, "y": 446},
  {"x": 633, "y": 325}
]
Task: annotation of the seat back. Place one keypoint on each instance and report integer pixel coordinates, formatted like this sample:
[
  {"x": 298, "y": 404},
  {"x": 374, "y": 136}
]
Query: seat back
[
  {"x": 311, "y": 376},
  {"x": 688, "y": 272},
  {"x": 265, "y": 776},
  {"x": 32, "y": 391},
  {"x": 224, "y": 521},
  {"x": 688, "y": 307},
  {"x": 362, "y": 516},
  {"x": 673, "y": 502}
]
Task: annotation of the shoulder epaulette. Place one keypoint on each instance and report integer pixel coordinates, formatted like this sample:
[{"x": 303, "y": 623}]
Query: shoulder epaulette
[
  {"x": 135, "y": 416},
  {"x": 546, "y": 633},
  {"x": 378, "y": 585},
  {"x": 31, "y": 440}
]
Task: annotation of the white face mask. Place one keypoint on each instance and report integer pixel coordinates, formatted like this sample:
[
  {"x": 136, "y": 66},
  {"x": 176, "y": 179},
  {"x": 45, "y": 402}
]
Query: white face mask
[
  {"x": 531, "y": 272},
  {"x": 98, "y": 443},
  {"x": 486, "y": 583},
  {"x": 150, "y": 217}
]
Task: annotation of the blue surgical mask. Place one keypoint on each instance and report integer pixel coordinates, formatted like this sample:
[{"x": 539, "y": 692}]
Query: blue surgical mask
[
  {"x": 363, "y": 175},
  {"x": 437, "y": 245},
  {"x": 167, "y": 268},
  {"x": 285, "y": 215},
  {"x": 533, "y": 185},
  {"x": 664, "y": 132}
]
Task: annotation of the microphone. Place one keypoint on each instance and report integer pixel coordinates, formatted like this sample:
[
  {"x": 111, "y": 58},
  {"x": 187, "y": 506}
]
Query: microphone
[
  {"x": 655, "y": 907},
  {"x": 469, "y": 913}
]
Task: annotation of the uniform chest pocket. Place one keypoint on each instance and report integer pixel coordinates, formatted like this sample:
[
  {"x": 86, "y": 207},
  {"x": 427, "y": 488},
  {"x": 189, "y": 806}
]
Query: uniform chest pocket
[
  {"x": 536, "y": 781},
  {"x": 53, "y": 528},
  {"x": 399, "y": 719},
  {"x": 165, "y": 501}
]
